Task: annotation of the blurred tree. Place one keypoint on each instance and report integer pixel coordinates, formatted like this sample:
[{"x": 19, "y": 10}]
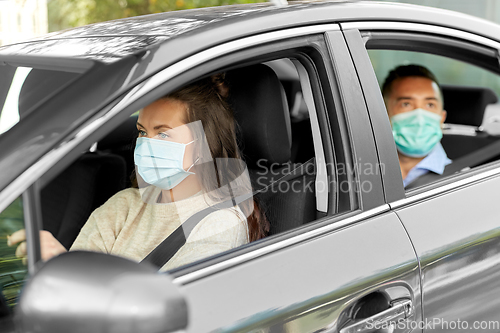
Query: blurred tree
[{"x": 65, "y": 14}]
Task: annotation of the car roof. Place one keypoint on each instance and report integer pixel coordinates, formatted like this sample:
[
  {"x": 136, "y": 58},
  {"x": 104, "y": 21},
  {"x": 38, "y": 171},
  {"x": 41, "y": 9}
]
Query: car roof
[{"x": 189, "y": 31}]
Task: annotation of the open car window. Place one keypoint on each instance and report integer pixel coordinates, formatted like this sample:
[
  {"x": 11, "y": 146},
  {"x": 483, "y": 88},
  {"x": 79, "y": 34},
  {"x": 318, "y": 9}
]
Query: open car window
[
  {"x": 470, "y": 84},
  {"x": 469, "y": 110},
  {"x": 280, "y": 161},
  {"x": 280, "y": 130}
]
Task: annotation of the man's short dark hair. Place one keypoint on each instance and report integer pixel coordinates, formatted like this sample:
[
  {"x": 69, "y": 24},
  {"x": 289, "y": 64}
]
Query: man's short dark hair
[{"x": 407, "y": 71}]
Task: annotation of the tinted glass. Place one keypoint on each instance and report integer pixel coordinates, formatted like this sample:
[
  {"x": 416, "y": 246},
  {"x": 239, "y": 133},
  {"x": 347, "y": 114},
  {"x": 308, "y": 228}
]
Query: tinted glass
[{"x": 22, "y": 88}]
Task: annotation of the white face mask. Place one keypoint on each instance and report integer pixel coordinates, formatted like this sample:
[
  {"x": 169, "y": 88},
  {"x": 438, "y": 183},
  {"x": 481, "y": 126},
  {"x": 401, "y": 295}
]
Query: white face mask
[{"x": 160, "y": 163}]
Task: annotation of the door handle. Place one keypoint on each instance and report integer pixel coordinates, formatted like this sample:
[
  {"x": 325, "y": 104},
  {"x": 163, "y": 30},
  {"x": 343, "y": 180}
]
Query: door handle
[{"x": 398, "y": 311}]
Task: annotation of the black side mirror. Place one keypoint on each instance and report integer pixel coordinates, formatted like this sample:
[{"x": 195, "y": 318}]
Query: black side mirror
[{"x": 94, "y": 292}]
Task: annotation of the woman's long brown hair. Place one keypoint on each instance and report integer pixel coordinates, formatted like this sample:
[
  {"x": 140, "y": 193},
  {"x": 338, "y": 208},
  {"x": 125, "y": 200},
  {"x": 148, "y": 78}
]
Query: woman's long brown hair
[{"x": 205, "y": 101}]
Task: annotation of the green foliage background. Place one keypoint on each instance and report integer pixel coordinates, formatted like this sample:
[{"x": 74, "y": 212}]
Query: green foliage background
[
  {"x": 65, "y": 14},
  {"x": 12, "y": 270}
]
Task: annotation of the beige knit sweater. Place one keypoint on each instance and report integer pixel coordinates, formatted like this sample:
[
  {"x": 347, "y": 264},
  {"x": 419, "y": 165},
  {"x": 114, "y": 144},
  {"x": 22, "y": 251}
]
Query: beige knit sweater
[{"x": 128, "y": 227}]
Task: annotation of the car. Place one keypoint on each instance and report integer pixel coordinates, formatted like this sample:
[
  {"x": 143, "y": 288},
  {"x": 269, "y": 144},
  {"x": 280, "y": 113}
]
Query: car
[{"x": 349, "y": 248}]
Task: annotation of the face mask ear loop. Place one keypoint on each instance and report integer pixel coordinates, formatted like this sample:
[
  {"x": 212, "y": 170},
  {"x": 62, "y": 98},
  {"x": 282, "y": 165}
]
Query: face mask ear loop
[
  {"x": 196, "y": 161},
  {"x": 192, "y": 165}
]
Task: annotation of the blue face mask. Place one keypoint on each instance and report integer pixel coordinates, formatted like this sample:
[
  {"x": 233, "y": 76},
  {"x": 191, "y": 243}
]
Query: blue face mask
[
  {"x": 160, "y": 163},
  {"x": 416, "y": 132}
]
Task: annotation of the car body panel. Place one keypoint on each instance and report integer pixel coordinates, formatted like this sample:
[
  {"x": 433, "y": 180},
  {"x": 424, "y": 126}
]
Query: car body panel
[
  {"x": 456, "y": 236},
  {"x": 334, "y": 282},
  {"x": 453, "y": 224}
]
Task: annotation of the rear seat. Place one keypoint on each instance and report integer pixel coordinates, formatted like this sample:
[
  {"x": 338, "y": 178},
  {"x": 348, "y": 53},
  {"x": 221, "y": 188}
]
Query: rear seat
[{"x": 465, "y": 106}]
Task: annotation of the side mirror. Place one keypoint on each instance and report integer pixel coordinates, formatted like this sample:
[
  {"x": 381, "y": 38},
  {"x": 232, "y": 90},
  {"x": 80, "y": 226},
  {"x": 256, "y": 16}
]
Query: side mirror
[{"x": 95, "y": 292}]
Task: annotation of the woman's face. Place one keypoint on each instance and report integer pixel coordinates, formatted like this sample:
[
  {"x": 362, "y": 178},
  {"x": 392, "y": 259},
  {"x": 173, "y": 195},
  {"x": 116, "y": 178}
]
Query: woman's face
[{"x": 164, "y": 120}]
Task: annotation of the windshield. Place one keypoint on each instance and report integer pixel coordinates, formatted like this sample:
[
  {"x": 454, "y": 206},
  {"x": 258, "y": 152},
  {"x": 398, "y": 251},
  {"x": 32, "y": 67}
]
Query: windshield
[{"x": 22, "y": 88}]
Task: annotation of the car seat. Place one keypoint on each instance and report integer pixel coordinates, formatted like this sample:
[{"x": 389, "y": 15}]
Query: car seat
[
  {"x": 69, "y": 199},
  {"x": 465, "y": 106},
  {"x": 121, "y": 142},
  {"x": 264, "y": 135}
]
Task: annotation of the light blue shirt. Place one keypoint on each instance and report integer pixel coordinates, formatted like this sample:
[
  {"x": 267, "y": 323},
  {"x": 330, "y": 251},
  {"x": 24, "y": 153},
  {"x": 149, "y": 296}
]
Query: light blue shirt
[{"x": 435, "y": 162}]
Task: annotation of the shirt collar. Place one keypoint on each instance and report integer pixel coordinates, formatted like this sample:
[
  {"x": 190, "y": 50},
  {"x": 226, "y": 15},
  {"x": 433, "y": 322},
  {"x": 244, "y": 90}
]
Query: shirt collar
[{"x": 435, "y": 161}]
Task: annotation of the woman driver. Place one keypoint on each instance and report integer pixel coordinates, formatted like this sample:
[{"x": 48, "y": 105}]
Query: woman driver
[{"x": 177, "y": 178}]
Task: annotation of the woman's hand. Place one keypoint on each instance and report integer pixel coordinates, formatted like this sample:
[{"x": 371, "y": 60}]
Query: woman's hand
[{"x": 49, "y": 245}]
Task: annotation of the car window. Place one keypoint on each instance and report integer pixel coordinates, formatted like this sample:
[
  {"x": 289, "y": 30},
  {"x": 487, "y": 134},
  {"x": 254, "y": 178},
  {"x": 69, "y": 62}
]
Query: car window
[
  {"x": 288, "y": 179},
  {"x": 12, "y": 269},
  {"x": 448, "y": 71},
  {"x": 470, "y": 95},
  {"x": 281, "y": 130}
]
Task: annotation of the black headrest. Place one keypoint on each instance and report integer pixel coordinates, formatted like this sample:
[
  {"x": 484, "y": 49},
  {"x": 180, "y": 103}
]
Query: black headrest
[
  {"x": 466, "y": 105},
  {"x": 259, "y": 104}
]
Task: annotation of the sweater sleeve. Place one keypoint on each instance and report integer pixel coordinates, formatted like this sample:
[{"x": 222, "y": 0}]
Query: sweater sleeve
[
  {"x": 90, "y": 237},
  {"x": 218, "y": 232},
  {"x": 101, "y": 229}
]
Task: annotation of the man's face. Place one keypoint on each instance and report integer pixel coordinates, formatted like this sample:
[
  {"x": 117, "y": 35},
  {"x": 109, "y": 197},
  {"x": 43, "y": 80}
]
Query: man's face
[{"x": 414, "y": 92}]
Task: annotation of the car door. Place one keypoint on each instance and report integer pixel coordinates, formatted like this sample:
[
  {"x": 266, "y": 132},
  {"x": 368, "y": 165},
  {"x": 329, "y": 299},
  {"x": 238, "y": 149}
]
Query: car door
[
  {"x": 351, "y": 269},
  {"x": 453, "y": 222},
  {"x": 331, "y": 274}
]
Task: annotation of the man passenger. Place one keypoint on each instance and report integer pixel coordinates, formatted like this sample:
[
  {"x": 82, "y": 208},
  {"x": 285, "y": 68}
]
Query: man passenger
[{"x": 414, "y": 103}]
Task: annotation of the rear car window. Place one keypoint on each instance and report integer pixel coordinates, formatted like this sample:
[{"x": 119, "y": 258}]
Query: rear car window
[{"x": 447, "y": 70}]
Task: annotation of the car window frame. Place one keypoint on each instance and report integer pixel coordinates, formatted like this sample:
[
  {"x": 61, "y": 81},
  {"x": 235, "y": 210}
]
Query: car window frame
[
  {"x": 255, "y": 54},
  {"x": 120, "y": 108},
  {"x": 30, "y": 211},
  {"x": 32, "y": 224},
  {"x": 357, "y": 35},
  {"x": 358, "y": 122}
]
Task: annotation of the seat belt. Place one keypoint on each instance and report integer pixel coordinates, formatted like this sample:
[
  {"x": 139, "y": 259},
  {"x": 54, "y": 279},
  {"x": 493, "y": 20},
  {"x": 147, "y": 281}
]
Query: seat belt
[
  {"x": 470, "y": 160},
  {"x": 160, "y": 255},
  {"x": 172, "y": 244}
]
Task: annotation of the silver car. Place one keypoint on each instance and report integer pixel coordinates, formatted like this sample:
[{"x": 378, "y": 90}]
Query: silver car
[{"x": 349, "y": 249}]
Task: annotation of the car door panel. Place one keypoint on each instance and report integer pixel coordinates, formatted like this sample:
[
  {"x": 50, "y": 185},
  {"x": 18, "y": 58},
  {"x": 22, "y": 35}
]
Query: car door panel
[
  {"x": 457, "y": 237},
  {"x": 311, "y": 284},
  {"x": 453, "y": 226}
]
